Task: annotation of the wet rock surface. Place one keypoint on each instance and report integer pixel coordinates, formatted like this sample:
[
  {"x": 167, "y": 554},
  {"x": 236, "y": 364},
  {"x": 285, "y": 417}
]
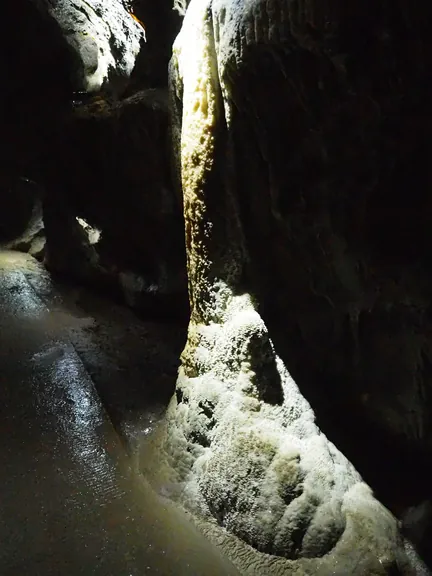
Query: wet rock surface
[
  {"x": 70, "y": 500},
  {"x": 132, "y": 362}
]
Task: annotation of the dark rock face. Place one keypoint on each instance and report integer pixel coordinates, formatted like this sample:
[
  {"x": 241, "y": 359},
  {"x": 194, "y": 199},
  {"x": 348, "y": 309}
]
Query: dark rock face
[
  {"x": 113, "y": 170},
  {"x": 50, "y": 61},
  {"x": 22, "y": 199},
  {"x": 333, "y": 177},
  {"x": 36, "y": 86},
  {"x": 21, "y": 225},
  {"x": 162, "y": 25},
  {"x": 34, "y": 99}
]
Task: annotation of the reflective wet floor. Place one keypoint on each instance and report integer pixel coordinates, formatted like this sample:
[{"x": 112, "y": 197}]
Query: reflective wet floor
[{"x": 70, "y": 502}]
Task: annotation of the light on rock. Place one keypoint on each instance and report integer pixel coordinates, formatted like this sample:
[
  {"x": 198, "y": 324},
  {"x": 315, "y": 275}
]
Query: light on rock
[{"x": 93, "y": 234}]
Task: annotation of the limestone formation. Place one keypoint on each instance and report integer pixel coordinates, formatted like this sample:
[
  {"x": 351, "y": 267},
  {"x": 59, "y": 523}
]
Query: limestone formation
[{"x": 242, "y": 449}]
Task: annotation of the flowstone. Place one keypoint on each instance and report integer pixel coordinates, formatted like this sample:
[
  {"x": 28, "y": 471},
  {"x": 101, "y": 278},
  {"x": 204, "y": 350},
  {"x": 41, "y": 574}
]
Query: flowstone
[{"x": 240, "y": 447}]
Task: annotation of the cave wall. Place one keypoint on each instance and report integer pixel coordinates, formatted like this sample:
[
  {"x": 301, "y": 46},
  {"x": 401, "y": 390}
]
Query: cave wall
[
  {"x": 113, "y": 170},
  {"x": 296, "y": 130},
  {"x": 339, "y": 241},
  {"x": 162, "y": 24},
  {"x": 330, "y": 161},
  {"x": 87, "y": 118},
  {"x": 36, "y": 85},
  {"x": 300, "y": 134}
]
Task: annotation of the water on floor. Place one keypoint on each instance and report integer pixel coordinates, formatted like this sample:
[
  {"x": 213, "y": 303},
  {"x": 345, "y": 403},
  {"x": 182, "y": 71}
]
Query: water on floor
[{"x": 70, "y": 501}]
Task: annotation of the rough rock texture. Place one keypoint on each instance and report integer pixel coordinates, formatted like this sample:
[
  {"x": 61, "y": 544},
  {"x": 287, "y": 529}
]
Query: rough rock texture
[
  {"x": 332, "y": 173},
  {"x": 242, "y": 447},
  {"x": 339, "y": 243},
  {"x": 104, "y": 37}
]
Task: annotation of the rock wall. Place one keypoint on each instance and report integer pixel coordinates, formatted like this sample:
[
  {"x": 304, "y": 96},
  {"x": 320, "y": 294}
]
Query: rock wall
[
  {"x": 113, "y": 170},
  {"x": 104, "y": 39},
  {"x": 300, "y": 143},
  {"x": 88, "y": 121},
  {"x": 162, "y": 24},
  {"x": 48, "y": 51},
  {"x": 339, "y": 243},
  {"x": 284, "y": 118}
]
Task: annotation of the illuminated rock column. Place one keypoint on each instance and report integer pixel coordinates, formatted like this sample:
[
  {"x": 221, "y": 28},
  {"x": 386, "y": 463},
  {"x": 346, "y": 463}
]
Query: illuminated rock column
[{"x": 243, "y": 452}]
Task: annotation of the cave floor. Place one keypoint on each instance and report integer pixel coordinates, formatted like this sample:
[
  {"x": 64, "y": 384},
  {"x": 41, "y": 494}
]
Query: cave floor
[{"x": 71, "y": 501}]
